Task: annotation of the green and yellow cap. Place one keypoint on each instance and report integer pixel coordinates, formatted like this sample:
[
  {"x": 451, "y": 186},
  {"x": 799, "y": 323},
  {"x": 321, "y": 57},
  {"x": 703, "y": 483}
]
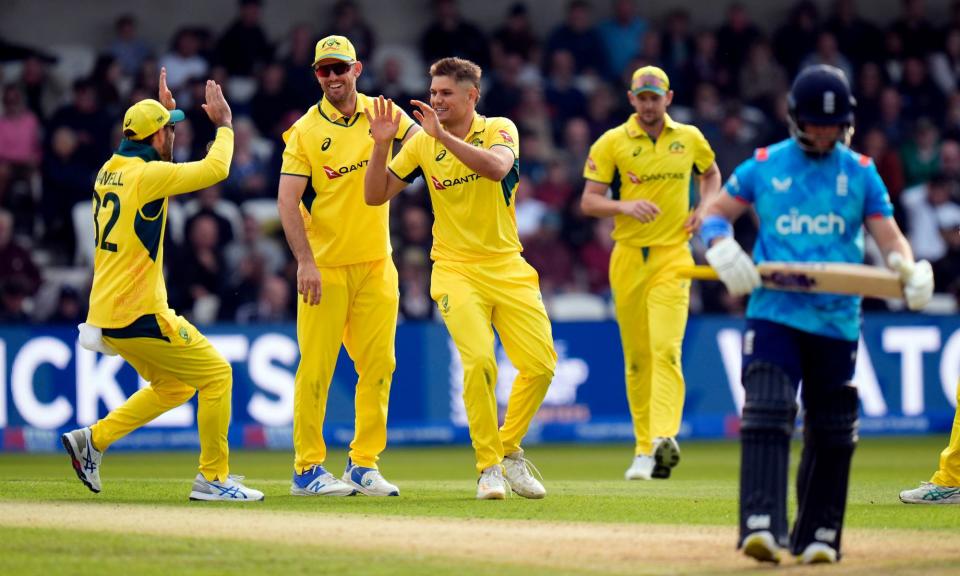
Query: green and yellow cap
[
  {"x": 650, "y": 79},
  {"x": 334, "y": 48},
  {"x": 146, "y": 117}
]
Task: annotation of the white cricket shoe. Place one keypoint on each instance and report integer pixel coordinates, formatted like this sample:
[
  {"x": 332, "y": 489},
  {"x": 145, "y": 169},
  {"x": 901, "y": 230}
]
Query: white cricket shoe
[
  {"x": 666, "y": 453},
  {"x": 85, "y": 458},
  {"x": 316, "y": 481},
  {"x": 641, "y": 468},
  {"x": 762, "y": 546},
  {"x": 230, "y": 490},
  {"x": 930, "y": 493},
  {"x": 368, "y": 481},
  {"x": 818, "y": 553},
  {"x": 491, "y": 485},
  {"x": 517, "y": 471}
]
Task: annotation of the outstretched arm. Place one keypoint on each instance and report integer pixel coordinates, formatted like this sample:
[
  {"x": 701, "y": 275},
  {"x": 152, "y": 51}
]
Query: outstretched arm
[
  {"x": 492, "y": 163},
  {"x": 379, "y": 184}
]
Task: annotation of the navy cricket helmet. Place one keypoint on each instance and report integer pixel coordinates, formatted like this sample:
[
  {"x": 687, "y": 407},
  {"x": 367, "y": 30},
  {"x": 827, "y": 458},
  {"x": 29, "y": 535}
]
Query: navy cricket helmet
[{"x": 820, "y": 96}]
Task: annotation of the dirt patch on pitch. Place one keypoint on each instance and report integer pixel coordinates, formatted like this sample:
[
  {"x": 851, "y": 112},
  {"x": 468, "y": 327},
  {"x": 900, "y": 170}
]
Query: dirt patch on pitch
[{"x": 569, "y": 546}]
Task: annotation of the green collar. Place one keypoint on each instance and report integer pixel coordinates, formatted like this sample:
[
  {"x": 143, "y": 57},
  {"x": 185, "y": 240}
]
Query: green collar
[{"x": 132, "y": 149}]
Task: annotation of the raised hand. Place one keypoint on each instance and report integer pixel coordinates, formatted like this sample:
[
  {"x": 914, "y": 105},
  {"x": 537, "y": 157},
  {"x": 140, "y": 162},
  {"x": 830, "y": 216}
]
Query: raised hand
[
  {"x": 216, "y": 105},
  {"x": 383, "y": 123},
  {"x": 643, "y": 210},
  {"x": 166, "y": 96},
  {"x": 427, "y": 117}
]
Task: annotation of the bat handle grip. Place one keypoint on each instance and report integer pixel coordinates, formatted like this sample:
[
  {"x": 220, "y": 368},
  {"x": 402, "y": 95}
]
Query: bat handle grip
[{"x": 901, "y": 265}]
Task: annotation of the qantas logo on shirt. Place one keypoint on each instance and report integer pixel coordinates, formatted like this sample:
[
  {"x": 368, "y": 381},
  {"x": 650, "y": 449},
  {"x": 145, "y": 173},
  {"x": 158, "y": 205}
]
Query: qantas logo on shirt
[
  {"x": 448, "y": 182},
  {"x": 633, "y": 177},
  {"x": 506, "y": 136},
  {"x": 591, "y": 164},
  {"x": 343, "y": 170}
]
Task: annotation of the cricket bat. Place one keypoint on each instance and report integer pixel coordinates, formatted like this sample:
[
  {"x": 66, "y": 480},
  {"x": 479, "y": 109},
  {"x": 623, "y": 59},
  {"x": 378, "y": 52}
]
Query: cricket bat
[{"x": 826, "y": 277}]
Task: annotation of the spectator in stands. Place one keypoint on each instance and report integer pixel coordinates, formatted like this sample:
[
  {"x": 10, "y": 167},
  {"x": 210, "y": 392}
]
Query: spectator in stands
[
  {"x": 15, "y": 260},
  {"x": 736, "y": 142},
  {"x": 828, "y": 52},
  {"x": 891, "y": 122},
  {"x": 272, "y": 305},
  {"x": 547, "y": 252},
  {"x": 184, "y": 61},
  {"x": 556, "y": 191},
  {"x": 91, "y": 124},
  {"x": 921, "y": 97},
  {"x": 106, "y": 79},
  {"x": 203, "y": 131},
  {"x": 601, "y": 107},
  {"x": 564, "y": 100},
  {"x": 677, "y": 47},
  {"x": 253, "y": 244},
  {"x": 394, "y": 84},
  {"x": 913, "y": 27},
  {"x": 244, "y": 48},
  {"x": 505, "y": 93},
  {"x": 623, "y": 35},
  {"x": 734, "y": 39},
  {"x": 516, "y": 36},
  {"x": 576, "y": 141},
  {"x": 183, "y": 145},
  {"x": 578, "y": 36},
  {"x": 128, "y": 48},
  {"x": 529, "y": 211},
  {"x": 200, "y": 274},
  {"x": 271, "y": 102},
  {"x": 945, "y": 63},
  {"x": 13, "y": 300},
  {"x": 19, "y": 137},
  {"x": 247, "y": 177},
  {"x": 869, "y": 87},
  {"x": 887, "y": 160},
  {"x": 859, "y": 40},
  {"x": 921, "y": 154},
  {"x": 893, "y": 56},
  {"x": 413, "y": 269},
  {"x": 300, "y": 83},
  {"x": 43, "y": 92},
  {"x": 595, "y": 257},
  {"x": 209, "y": 203},
  {"x": 762, "y": 80},
  {"x": 66, "y": 181},
  {"x": 70, "y": 309},
  {"x": 349, "y": 22},
  {"x": 535, "y": 149},
  {"x": 797, "y": 38},
  {"x": 946, "y": 270},
  {"x": 921, "y": 204},
  {"x": 450, "y": 35},
  {"x": 708, "y": 111},
  {"x": 415, "y": 223},
  {"x": 705, "y": 67}
]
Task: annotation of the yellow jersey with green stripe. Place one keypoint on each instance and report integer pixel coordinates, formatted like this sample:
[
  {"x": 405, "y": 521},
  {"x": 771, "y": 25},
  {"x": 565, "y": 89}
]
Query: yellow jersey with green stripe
[
  {"x": 474, "y": 217},
  {"x": 130, "y": 214},
  {"x": 638, "y": 167},
  {"x": 331, "y": 151}
]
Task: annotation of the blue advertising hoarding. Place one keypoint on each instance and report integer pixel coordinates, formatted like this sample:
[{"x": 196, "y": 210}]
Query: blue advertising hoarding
[{"x": 907, "y": 372}]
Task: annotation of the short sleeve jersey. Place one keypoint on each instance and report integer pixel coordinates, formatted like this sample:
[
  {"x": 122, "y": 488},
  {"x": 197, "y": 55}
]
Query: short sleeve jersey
[
  {"x": 332, "y": 152},
  {"x": 129, "y": 215},
  {"x": 474, "y": 217},
  {"x": 810, "y": 210},
  {"x": 638, "y": 167}
]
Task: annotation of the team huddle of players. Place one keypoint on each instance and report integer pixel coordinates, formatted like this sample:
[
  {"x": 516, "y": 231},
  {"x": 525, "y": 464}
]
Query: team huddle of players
[{"x": 351, "y": 153}]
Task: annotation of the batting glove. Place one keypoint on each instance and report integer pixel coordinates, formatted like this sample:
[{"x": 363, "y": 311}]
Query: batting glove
[
  {"x": 916, "y": 277},
  {"x": 733, "y": 266}
]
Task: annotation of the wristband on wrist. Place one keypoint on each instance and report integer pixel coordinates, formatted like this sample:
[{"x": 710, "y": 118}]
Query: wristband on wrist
[{"x": 714, "y": 227}]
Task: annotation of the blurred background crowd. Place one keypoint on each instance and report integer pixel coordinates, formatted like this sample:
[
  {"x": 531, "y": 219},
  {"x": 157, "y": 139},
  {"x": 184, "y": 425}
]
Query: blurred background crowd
[{"x": 226, "y": 259}]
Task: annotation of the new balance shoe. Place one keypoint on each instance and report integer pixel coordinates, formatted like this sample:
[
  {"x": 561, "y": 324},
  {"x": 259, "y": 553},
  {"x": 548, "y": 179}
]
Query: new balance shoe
[
  {"x": 666, "y": 453},
  {"x": 316, "y": 481},
  {"x": 818, "y": 553},
  {"x": 762, "y": 546},
  {"x": 517, "y": 471},
  {"x": 641, "y": 468},
  {"x": 491, "y": 485},
  {"x": 930, "y": 493},
  {"x": 230, "y": 490},
  {"x": 368, "y": 481},
  {"x": 85, "y": 458}
]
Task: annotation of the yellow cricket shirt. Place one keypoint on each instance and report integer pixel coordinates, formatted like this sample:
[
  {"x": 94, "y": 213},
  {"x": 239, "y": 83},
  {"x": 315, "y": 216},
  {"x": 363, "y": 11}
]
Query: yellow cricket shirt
[
  {"x": 474, "y": 217},
  {"x": 638, "y": 168},
  {"x": 332, "y": 152},
  {"x": 130, "y": 214}
]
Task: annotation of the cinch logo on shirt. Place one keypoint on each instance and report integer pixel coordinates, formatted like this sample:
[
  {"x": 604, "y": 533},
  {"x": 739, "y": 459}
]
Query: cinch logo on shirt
[
  {"x": 446, "y": 183},
  {"x": 336, "y": 173},
  {"x": 819, "y": 225}
]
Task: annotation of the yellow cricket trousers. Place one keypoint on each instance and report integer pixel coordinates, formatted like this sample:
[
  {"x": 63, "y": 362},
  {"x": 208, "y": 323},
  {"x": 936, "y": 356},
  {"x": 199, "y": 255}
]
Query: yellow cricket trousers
[
  {"x": 178, "y": 361},
  {"x": 474, "y": 298},
  {"x": 949, "y": 472},
  {"x": 651, "y": 306},
  {"x": 357, "y": 309}
]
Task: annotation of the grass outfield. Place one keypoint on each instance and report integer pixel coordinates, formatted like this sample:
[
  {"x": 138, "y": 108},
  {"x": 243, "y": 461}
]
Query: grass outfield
[{"x": 586, "y": 495}]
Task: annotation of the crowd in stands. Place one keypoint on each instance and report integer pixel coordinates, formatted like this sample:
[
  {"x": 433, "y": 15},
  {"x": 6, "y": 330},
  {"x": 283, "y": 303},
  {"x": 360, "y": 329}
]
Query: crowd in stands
[{"x": 226, "y": 257}]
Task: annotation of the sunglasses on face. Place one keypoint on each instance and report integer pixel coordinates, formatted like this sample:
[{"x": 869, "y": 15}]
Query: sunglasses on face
[{"x": 325, "y": 70}]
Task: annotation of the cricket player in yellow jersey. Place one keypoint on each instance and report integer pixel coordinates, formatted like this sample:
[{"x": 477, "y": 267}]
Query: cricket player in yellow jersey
[
  {"x": 647, "y": 162},
  {"x": 944, "y": 486},
  {"x": 471, "y": 165},
  {"x": 345, "y": 275},
  {"x": 129, "y": 314}
]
